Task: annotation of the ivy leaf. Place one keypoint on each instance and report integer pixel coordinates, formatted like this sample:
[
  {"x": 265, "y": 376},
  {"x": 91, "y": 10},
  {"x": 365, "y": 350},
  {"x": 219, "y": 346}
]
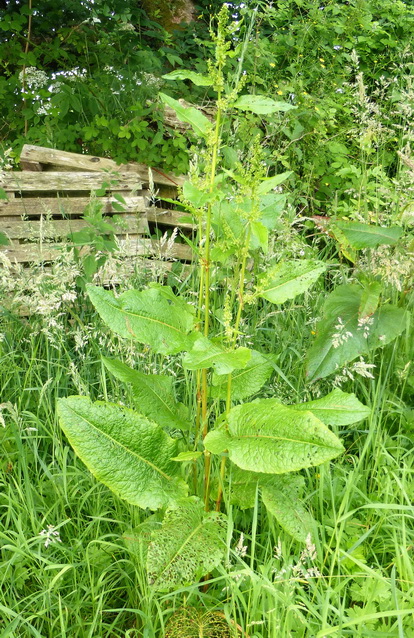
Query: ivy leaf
[
  {"x": 189, "y": 115},
  {"x": 124, "y": 450},
  {"x": 339, "y": 342},
  {"x": 362, "y": 235},
  {"x": 244, "y": 382},
  {"x": 206, "y": 354},
  {"x": 289, "y": 279},
  {"x": 154, "y": 316},
  {"x": 189, "y": 544},
  {"x": 261, "y": 105},
  {"x": 196, "y": 78},
  {"x": 266, "y": 436},
  {"x": 336, "y": 408},
  {"x": 281, "y": 499},
  {"x": 153, "y": 394}
]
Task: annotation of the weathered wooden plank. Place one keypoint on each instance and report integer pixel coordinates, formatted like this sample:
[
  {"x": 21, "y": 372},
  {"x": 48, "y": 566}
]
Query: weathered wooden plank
[
  {"x": 15, "y": 228},
  {"x": 31, "y": 166},
  {"x": 27, "y": 253},
  {"x": 67, "y": 206},
  {"x": 26, "y": 181},
  {"x": 76, "y": 161},
  {"x": 21, "y": 207},
  {"x": 167, "y": 217}
]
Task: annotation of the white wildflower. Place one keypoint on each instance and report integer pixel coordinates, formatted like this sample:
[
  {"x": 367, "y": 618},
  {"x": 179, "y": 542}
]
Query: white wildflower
[
  {"x": 33, "y": 78},
  {"x": 51, "y": 535},
  {"x": 241, "y": 549},
  {"x": 363, "y": 369},
  {"x": 277, "y": 552}
]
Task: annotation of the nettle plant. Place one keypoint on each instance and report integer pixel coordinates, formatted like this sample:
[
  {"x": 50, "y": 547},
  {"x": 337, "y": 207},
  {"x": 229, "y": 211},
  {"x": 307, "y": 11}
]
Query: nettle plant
[{"x": 184, "y": 462}]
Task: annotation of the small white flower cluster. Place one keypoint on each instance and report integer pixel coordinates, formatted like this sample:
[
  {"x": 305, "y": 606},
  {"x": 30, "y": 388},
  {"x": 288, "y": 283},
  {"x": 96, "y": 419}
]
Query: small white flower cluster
[
  {"x": 6, "y": 161},
  {"x": 241, "y": 548},
  {"x": 302, "y": 570},
  {"x": 360, "y": 367},
  {"x": 51, "y": 535},
  {"x": 364, "y": 324},
  {"x": 33, "y": 78},
  {"x": 341, "y": 335}
]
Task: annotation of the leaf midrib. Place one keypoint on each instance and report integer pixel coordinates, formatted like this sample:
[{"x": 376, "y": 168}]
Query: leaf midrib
[
  {"x": 122, "y": 446},
  {"x": 186, "y": 542},
  {"x": 281, "y": 438},
  {"x": 298, "y": 278}
]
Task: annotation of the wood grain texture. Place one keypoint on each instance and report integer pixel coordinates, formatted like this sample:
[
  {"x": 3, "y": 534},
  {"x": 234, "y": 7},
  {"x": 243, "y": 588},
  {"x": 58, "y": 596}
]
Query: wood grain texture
[
  {"x": 77, "y": 162},
  {"x": 26, "y": 181}
]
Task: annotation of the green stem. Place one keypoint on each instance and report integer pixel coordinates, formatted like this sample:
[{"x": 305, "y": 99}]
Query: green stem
[
  {"x": 206, "y": 272},
  {"x": 234, "y": 340}
]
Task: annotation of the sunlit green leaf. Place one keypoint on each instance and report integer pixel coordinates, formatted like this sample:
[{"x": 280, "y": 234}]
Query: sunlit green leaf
[{"x": 123, "y": 450}]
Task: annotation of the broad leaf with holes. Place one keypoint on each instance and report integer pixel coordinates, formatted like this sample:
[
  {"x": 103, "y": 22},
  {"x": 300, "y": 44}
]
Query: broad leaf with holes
[
  {"x": 342, "y": 336},
  {"x": 124, "y": 450},
  {"x": 266, "y": 436},
  {"x": 244, "y": 382},
  {"x": 189, "y": 544},
  {"x": 153, "y": 395},
  {"x": 206, "y": 354},
  {"x": 289, "y": 279},
  {"x": 154, "y": 316},
  {"x": 336, "y": 408}
]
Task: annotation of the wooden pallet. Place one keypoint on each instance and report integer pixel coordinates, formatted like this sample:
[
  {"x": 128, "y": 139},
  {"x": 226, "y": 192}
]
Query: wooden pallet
[{"x": 47, "y": 199}]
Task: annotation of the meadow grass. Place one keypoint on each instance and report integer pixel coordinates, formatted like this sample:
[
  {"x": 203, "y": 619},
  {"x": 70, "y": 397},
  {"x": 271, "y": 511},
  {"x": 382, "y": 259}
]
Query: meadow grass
[{"x": 88, "y": 580}]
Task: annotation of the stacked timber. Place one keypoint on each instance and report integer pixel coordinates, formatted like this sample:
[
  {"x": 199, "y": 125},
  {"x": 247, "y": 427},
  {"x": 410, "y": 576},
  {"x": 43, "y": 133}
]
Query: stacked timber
[{"x": 46, "y": 201}]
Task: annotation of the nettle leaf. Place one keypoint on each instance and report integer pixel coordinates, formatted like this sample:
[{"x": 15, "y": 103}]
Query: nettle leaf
[
  {"x": 281, "y": 499},
  {"x": 261, "y": 105},
  {"x": 206, "y": 354},
  {"x": 124, "y": 450},
  {"x": 189, "y": 115},
  {"x": 336, "y": 408},
  {"x": 190, "y": 543},
  {"x": 266, "y": 436},
  {"x": 340, "y": 338},
  {"x": 269, "y": 183},
  {"x": 196, "y": 78},
  {"x": 289, "y": 279},
  {"x": 362, "y": 235},
  {"x": 153, "y": 395},
  {"x": 154, "y": 316},
  {"x": 244, "y": 382}
]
